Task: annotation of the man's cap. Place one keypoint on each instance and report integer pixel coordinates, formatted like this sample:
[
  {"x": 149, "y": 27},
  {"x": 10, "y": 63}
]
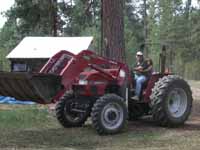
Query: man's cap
[{"x": 139, "y": 53}]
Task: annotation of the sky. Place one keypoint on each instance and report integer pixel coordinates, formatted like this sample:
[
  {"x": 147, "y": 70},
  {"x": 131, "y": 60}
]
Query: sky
[{"x": 6, "y": 4}]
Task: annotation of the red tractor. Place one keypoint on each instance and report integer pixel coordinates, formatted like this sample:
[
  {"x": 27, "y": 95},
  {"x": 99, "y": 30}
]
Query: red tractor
[{"x": 87, "y": 85}]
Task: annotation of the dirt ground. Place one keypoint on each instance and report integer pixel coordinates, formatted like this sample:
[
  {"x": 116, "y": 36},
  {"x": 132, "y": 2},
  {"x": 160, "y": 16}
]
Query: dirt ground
[{"x": 36, "y": 129}]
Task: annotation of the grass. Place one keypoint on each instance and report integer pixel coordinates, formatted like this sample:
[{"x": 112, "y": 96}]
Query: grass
[
  {"x": 23, "y": 118},
  {"x": 33, "y": 127}
]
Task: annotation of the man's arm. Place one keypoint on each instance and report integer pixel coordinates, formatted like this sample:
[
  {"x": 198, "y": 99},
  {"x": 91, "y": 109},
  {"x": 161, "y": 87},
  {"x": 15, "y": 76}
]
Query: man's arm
[
  {"x": 148, "y": 69},
  {"x": 138, "y": 68}
]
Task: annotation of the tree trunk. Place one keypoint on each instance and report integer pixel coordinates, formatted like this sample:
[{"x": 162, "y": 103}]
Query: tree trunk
[
  {"x": 113, "y": 45},
  {"x": 145, "y": 27},
  {"x": 55, "y": 18},
  {"x": 188, "y": 7}
]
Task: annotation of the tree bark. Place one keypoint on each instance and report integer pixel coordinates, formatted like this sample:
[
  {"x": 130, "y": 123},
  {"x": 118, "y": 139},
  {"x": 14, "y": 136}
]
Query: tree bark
[
  {"x": 145, "y": 27},
  {"x": 112, "y": 41},
  {"x": 55, "y": 18},
  {"x": 188, "y": 7}
]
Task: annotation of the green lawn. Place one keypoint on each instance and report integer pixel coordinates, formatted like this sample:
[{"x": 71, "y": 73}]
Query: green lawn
[{"x": 33, "y": 127}]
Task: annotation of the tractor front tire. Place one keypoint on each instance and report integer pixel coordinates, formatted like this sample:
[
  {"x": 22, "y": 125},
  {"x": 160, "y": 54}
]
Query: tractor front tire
[
  {"x": 171, "y": 101},
  {"x": 65, "y": 116},
  {"x": 109, "y": 114}
]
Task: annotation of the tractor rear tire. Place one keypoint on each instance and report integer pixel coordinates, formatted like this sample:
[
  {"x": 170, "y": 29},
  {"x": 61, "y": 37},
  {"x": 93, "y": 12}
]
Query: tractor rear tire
[
  {"x": 65, "y": 116},
  {"x": 171, "y": 101},
  {"x": 109, "y": 114}
]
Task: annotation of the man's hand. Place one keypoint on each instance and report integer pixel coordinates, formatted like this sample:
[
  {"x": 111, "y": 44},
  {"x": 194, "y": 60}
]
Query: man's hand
[{"x": 139, "y": 69}]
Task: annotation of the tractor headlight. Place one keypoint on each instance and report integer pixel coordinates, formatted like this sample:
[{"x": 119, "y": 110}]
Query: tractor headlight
[
  {"x": 83, "y": 82},
  {"x": 122, "y": 73}
]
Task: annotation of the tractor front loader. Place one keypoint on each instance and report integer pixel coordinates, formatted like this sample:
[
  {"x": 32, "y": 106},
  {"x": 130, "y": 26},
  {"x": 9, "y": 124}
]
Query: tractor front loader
[{"x": 87, "y": 85}]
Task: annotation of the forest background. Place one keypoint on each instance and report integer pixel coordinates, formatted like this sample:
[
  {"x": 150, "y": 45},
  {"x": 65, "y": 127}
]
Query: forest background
[{"x": 174, "y": 23}]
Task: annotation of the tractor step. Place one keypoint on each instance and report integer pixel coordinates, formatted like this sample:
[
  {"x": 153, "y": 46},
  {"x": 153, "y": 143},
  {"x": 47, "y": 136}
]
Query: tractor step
[
  {"x": 137, "y": 101},
  {"x": 132, "y": 90}
]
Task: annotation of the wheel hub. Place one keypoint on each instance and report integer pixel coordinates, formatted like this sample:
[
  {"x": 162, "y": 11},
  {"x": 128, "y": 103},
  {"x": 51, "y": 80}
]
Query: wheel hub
[
  {"x": 112, "y": 116},
  {"x": 177, "y": 102}
]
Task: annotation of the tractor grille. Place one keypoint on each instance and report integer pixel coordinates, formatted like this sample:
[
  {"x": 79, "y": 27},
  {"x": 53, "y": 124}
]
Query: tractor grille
[{"x": 78, "y": 89}]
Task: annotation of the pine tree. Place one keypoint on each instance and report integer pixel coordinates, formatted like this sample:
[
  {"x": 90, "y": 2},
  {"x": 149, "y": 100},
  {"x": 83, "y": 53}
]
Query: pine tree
[{"x": 113, "y": 45}]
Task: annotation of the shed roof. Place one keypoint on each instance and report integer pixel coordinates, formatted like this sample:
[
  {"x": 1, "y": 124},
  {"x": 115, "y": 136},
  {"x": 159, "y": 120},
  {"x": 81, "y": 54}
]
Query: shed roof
[{"x": 46, "y": 47}]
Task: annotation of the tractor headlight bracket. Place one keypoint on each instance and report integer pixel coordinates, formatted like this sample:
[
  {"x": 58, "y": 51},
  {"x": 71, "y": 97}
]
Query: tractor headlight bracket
[
  {"x": 83, "y": 82},
  {"x": 122, "y": 73}
]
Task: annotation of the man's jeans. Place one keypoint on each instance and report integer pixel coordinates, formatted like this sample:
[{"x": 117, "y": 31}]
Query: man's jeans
[{"x": 140, "y": 79}]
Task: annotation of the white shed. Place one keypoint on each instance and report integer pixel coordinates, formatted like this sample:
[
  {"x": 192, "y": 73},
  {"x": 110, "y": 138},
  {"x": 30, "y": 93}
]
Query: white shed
[{"x": 32, "y": 52}]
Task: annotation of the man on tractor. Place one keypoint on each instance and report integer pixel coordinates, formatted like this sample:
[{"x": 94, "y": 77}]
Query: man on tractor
[{"x": 142, "y": 71}]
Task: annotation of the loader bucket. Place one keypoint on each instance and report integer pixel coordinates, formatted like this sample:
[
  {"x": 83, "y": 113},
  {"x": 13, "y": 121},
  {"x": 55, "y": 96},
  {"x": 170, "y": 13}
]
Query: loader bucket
[{"x": 37, "y": 87}]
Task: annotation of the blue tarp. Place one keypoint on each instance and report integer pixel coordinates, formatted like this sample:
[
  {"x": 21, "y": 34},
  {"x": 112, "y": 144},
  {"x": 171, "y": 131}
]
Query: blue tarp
[{"x": 10, "y": 100}]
